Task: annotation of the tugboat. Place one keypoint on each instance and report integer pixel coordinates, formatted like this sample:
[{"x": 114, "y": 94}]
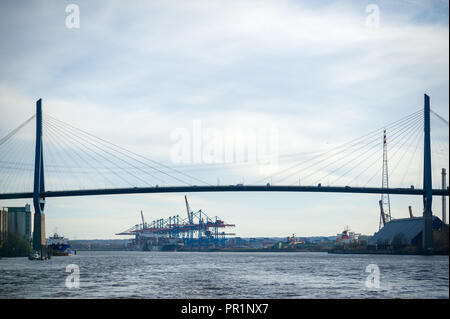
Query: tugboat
[{"x": 59, "y": 245}]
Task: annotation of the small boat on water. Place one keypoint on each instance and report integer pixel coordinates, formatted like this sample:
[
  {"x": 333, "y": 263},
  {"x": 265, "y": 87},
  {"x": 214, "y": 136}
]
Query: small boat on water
[
  {"x": 59, "y": 245},
  {"x": 35, "y": 255}
]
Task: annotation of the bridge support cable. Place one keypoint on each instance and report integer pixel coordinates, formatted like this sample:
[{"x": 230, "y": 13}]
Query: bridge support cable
[
  {"x": 365, "y": 169},
  {"x": 439, "y": 146},
  {"x": 397, "y": 146},
  {"x": 394, "y": 153},
  {"x": 114, "y": 169},
  {"x": 405, "y": 147},
  {"x": 80, "y": 172},
  {"x": 396, "y": 149},
  {"x": 396, "y": 137},
  {"x": 113, "y": 160},
  {"x": 52, "y": 153},
  {"x": 370, "y": 137},
  {"x": 439, "y": 117},
  {"x": 16, "y": 130},
  {"x": 358, "y": 159},
  {"x": 14, "y": 166},
  {"x": 139, "y": 162},
  {"x": 347, "y": 154},
  {"x": 418, "y": 143},
  {"x": 103, "y": 154},
  {"x": 16, "y": 149}
]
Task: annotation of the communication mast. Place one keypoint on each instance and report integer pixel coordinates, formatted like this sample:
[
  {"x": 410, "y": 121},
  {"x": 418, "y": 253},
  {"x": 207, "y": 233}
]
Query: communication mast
[{"x": 385, "y": 203}]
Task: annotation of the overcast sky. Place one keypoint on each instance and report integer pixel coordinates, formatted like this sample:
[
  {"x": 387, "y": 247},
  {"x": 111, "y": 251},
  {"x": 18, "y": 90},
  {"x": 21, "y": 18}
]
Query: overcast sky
[{"x": 318, "y": 72}]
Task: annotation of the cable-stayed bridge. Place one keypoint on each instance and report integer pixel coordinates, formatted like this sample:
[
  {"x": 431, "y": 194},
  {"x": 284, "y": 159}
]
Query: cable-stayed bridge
[{"x": 60, "y": 160}]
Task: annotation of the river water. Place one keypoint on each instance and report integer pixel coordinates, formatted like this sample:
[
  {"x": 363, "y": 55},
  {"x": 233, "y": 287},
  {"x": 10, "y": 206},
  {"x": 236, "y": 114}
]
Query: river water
[{"x": 225, "y": 275}]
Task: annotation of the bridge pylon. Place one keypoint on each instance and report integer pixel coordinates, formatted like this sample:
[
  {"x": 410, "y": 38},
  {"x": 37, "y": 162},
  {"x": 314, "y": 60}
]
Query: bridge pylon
[
  {"x": 427, "y": 231},
  {"x": 39, "y": 185}
]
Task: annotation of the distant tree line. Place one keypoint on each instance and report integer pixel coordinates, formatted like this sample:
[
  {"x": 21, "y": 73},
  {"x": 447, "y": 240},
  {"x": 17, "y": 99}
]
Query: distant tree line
[{"x": 15, "y": 246}]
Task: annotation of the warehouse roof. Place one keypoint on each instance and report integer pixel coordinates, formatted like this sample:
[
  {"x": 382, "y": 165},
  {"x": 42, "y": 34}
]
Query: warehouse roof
[{"x": 410, "y": 228}]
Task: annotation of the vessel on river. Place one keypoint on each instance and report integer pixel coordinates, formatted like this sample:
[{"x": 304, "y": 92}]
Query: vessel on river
[{"x": 59, "y": 245}]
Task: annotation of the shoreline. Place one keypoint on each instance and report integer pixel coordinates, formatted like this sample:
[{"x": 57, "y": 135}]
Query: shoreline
[{"x": 265, "y": 250}]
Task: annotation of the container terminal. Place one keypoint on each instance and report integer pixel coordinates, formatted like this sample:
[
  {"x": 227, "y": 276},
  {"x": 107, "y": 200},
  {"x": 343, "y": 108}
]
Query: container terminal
[{"x": 196, "y": 231}]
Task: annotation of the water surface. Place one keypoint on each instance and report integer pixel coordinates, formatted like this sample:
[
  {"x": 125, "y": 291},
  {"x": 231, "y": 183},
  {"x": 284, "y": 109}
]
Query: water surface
[{"x": 225, "y": 275}]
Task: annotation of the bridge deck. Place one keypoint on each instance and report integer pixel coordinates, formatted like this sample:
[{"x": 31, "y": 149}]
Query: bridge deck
[{"x": 230, "y": 188}]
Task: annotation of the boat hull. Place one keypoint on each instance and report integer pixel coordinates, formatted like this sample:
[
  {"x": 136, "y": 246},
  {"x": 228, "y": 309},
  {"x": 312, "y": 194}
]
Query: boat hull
[{"x": 63, "y": 250}]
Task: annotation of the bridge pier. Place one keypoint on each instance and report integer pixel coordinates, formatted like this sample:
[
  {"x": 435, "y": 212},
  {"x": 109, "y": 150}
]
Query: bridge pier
[
  {"x": 39, "y": 186},
  {"x": 427, "y": 231}
]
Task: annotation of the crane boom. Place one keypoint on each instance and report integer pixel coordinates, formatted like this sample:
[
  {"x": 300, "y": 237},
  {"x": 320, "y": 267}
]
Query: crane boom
[
  {"x": 188, "y": 209},
  {"x": 143, "y": 222}
]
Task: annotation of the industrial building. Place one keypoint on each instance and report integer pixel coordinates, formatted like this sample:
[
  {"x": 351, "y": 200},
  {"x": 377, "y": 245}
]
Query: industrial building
[
  {"x": 406, "y": 232},
  {"x": 15, "y": 220}
]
